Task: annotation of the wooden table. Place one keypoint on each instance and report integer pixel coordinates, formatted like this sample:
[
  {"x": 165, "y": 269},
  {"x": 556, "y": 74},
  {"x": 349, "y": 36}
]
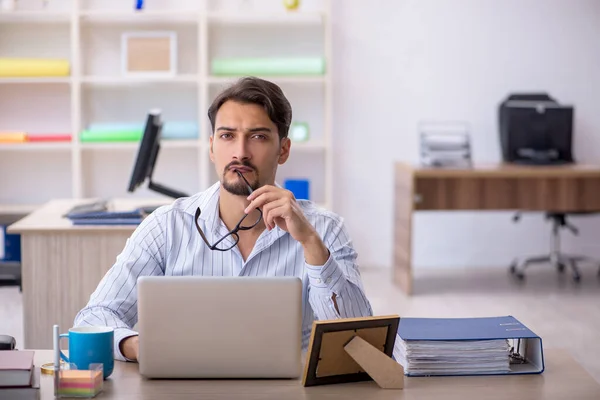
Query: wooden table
[
  {"x": 484, "y": 188},
  {"x": 563, "y": 379},
  {"x": 62, "y": 264}
]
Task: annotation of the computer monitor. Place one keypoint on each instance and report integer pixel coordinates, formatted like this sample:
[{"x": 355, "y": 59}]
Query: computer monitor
[{"x": 147, "y": 155}]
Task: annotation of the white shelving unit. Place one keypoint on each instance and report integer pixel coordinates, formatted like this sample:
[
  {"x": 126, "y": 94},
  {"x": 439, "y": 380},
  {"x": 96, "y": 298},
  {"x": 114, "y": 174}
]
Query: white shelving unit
[{"x": 87, "y": 32}]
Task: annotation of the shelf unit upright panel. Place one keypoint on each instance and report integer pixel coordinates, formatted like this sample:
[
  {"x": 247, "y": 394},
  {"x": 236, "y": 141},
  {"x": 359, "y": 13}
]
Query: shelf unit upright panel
[{"x": 92, "y": 27}]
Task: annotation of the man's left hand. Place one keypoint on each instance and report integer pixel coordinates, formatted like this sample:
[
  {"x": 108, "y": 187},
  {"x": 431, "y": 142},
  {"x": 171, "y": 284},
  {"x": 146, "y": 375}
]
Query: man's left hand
[{"x": 279, "y": 207}]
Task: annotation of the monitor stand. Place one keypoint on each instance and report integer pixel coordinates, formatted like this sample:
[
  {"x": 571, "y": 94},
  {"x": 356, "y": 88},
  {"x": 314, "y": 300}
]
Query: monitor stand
[{"x": 157, "y": 187}]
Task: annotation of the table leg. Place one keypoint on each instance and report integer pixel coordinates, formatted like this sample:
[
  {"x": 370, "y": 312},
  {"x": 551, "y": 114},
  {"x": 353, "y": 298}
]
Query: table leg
[{"x": 403, "y": 210}]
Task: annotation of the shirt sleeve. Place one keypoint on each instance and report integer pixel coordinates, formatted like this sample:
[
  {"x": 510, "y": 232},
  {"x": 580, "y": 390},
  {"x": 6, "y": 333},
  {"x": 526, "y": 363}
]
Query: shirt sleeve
[
  {"x": 339, "y": 276},
  {"x": 114, "y": 302}
]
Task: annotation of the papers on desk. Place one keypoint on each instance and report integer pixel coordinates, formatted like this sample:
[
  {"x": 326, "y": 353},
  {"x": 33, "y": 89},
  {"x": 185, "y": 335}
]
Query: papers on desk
[
  {"x": 467, "y": 346},
  {"x": 445, "y": 144},
  {"x": 455, "y": 357},
  {"x": 97, "y": 213}
]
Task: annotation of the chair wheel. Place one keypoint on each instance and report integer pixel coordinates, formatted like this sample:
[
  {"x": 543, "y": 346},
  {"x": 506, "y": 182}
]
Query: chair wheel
[
  {"x": 561, "y": 267},
  {"x": 513, "y": 268},
  {"x": 576, "y": 278},
  {"x": 520, "y": 276}
]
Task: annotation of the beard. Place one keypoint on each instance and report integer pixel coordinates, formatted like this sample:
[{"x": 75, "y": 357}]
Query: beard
[{"x": 236, "y": 185}]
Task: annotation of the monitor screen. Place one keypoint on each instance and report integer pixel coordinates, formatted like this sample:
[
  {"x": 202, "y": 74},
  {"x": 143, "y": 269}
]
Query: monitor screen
[
  {"x": 147, "y": 151},
  {"x": 147, "y": 156}
]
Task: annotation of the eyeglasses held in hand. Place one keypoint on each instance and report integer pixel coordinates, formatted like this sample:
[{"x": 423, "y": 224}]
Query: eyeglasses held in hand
[{"x": 234, "y": 232}]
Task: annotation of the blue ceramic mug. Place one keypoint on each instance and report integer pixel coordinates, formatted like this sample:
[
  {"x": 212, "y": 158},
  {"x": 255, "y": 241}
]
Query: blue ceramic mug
[{"x": 91, "y": 345}]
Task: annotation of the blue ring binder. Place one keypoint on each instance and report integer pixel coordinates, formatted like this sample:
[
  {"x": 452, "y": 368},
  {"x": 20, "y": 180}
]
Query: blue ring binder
[{"x": 524, "y": 356}]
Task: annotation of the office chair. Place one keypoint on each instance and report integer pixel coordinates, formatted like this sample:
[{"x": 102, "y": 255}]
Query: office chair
[{"x": 556, "y": 258}]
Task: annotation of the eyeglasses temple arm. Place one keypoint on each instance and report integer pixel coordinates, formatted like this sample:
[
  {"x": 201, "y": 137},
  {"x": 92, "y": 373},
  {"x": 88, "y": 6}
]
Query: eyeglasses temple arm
[{"x": 247, "y": 184}]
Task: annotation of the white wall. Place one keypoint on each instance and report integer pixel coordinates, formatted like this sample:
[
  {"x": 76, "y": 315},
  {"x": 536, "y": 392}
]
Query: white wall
[
  {"x": 395, "y": 62},
  {"x": 400, "y": 61}
]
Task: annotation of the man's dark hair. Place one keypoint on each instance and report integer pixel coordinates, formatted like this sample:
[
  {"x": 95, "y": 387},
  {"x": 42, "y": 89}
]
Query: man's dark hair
[{"x": 251, "y": 90}]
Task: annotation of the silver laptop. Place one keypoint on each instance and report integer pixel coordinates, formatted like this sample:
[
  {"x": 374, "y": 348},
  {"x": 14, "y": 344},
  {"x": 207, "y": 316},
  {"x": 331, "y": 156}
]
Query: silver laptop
[{"x": 219, "y": 327}]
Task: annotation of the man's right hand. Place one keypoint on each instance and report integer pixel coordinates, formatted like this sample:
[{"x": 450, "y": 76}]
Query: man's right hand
[{"x": 130, "y": 347}]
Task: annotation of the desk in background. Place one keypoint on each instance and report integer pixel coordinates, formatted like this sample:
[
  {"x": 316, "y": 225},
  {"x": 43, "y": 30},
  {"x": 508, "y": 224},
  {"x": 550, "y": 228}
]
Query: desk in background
[
  {"x": 481, "y": 188},
  {"x": 563, "y": 379},
  {"x": 62, "y": 264}
]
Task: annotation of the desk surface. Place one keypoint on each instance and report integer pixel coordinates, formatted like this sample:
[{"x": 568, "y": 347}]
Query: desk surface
[
  {"x": 563, "y": 379},
  {"x": 49, "y": 217},
  {"x": 503, "y": 170}
]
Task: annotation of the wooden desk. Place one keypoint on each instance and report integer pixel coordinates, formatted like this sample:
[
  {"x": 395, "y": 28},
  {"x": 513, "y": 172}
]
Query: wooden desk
[
  {"x": 62, "y": 264},
  {"x": 484, "y": 187},
  {"x": 563, "y": 379}
]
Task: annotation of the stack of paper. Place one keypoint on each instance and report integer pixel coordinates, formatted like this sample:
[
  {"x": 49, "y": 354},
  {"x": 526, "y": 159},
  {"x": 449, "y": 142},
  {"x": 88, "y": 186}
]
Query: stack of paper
[
  {"x": 454, "y": 357},
  {"x": 445, "y": 144},
  {"x": 445, "y": 150},
  {"x": 463, "y": 346},
  {"x": 97, "y": 213},
  {"x": 80, "y": 383}
]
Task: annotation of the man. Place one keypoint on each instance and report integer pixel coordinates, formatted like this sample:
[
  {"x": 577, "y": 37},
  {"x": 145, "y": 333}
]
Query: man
[{"x": 279, "y": 236}]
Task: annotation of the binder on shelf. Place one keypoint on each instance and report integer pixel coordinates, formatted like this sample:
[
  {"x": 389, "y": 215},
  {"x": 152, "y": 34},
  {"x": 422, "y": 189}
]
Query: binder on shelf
[
  {"x": 468, "y": 346},
  {"x": 49, "y": 137}
]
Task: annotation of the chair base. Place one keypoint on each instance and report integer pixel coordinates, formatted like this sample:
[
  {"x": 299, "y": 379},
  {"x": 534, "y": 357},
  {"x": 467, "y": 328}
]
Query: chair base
[
  {"x": 555, "y": 257},
  {"x": 560, "y": 262}
]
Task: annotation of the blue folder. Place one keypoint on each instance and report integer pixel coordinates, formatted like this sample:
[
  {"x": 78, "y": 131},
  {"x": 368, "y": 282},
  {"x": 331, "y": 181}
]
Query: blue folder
[
  {"x": 97, "y": 213},
  {"x": 472, "y": 329},
  {"x": 107, "y": 221}
]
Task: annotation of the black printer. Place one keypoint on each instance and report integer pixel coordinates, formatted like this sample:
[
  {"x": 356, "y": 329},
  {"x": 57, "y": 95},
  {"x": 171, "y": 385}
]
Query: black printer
[{"x": 535, "y": 129}]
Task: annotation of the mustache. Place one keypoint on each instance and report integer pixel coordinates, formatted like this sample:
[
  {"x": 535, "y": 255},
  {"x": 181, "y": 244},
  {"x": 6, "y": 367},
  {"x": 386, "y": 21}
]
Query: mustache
[{"x": 246, "y": 164}]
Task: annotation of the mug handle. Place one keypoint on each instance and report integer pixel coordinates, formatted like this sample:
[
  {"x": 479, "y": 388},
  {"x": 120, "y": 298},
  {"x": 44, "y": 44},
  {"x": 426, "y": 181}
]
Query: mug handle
[{"x": 61, "y": 336}]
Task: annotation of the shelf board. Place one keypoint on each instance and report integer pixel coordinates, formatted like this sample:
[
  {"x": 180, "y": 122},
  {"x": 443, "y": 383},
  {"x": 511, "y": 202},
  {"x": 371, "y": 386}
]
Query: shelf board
[
  {"x": 165, "y": 144},
  {"x": 131, "y": 80},
  {"x": 309, "y": 146},
  {"x": 277, "y": 79},
  {"x": 18, "y": 209},
  {"x": 133, "y": 16},
  {"x": 277, "y": 18},
  {"x": 35, "y": 80},
  {"x": 34, "y": 16},
  {"x": 36, "y": 146}
]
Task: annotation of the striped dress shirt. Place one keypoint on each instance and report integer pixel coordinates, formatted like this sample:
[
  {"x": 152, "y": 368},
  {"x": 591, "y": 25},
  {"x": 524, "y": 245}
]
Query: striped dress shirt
[{"x": 167, "y": 243}]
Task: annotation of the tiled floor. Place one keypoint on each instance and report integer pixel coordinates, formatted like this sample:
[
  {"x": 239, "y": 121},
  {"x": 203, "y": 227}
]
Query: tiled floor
[{"x": 564, "y": 314}]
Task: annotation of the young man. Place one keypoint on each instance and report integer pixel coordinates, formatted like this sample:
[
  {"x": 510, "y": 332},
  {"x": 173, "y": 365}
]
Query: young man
[{"x": 282, "y": 235}]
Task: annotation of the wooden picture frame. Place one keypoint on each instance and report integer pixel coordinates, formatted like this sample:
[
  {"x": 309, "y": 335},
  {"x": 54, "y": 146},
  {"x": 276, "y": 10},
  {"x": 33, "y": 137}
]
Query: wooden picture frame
[
  {"x": 353, "y": 350},
  {"x": 149, "y": 54}
]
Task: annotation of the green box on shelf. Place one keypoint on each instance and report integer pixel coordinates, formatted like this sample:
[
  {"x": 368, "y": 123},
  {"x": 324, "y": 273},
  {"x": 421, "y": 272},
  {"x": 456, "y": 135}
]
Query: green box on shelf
[
  {"x": 268, "y": 66},
  {"x": 119, "y": 135}
]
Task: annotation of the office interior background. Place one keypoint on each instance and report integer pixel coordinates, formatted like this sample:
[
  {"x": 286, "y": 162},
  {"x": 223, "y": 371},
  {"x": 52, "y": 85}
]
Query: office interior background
[{"x": 388, "y": 66}]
